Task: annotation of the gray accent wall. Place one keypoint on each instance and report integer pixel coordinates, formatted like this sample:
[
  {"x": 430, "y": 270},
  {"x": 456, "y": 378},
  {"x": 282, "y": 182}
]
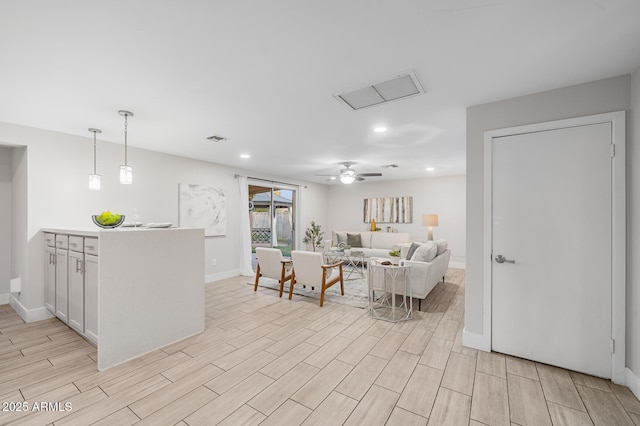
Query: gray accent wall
[{"x": 613, "y": 94}]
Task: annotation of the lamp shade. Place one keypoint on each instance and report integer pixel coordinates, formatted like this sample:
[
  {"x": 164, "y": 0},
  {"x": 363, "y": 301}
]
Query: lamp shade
[{"x": 429, "y": 220}]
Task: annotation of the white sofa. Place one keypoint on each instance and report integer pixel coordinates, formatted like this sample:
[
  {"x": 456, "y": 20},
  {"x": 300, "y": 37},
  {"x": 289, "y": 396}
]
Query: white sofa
[
  {"x": 373, "y": 244},
  {"x": 429, "y": 265}
]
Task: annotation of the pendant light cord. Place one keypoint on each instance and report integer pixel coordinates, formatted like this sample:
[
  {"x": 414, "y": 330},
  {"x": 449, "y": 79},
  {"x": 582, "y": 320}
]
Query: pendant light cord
[
  {"x": 94, "y": 152},
  {"x": 125, "y": 139}
]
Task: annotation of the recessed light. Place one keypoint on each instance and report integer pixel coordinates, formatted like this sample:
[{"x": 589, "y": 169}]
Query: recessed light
[
  {"x": 380, "y": 129},
  {"x": 430, "y": 169},
  {"x": 245, "y": 156}
]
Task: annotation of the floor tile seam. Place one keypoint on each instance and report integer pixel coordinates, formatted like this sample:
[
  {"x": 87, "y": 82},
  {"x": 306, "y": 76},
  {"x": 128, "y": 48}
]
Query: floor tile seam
[
  {"x": 609, "y": 390},
  {"x": 174, "y": 400},
  {"x": 624, "y": 410},
  {"x": 525, "y": 377},
  {"x": 566, "y": 406},
  {"x": 450, "y": 390}
]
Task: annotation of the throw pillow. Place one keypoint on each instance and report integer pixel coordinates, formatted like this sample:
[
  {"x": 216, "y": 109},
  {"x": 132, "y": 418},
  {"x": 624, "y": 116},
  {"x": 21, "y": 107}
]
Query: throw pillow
[
  {"x": 442, "y": 246},
  {"x": 426, "y": 252},
  {"x": 412, "y": 250},
  {"x": 337, "y": 238},
  {"x": 354, "y": 240}
]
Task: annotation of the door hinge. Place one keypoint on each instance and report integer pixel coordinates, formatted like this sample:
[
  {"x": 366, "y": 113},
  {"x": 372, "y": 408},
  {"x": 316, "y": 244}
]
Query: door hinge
[
  {"x": 613, "y": 150},
  {"x": 613, "y": 346}
]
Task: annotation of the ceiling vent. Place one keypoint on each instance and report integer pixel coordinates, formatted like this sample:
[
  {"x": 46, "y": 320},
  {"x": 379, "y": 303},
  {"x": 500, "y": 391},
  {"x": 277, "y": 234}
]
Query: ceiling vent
[
  {"x": 401, "y": 86},
  {"x": 216, "y": 138}
]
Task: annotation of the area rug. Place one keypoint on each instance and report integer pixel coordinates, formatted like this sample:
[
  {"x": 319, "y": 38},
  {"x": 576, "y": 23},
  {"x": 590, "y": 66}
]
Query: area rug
[{"x": 355, "y": 291}]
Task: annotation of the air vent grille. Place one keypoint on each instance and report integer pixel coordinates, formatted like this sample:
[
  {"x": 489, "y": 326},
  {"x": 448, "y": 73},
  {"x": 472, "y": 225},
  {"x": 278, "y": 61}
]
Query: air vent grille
[{"x": 402, "y": 86}]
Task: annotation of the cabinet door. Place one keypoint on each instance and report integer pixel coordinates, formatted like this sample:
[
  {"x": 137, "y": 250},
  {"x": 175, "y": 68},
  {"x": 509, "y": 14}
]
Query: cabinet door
[
  {"x": 50, "y": 278},
  {"x": 91, "y": 298},
  {"x": 62, "y": 286},
  {"x": 76, "y": 291}
]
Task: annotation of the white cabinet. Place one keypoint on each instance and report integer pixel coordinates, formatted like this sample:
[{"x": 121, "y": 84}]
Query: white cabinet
[
  {"x": 76, "y": 285},
  {"x": 71, "y": 281},
  {"x": 91, "y": 295},
  {"x": 62, "y": 277},
  {"x": 50, "y": 272}
]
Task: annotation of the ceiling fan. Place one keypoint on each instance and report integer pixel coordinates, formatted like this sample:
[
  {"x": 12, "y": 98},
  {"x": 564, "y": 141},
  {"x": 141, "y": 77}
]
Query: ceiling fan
[{"x": 348, "y": 175}]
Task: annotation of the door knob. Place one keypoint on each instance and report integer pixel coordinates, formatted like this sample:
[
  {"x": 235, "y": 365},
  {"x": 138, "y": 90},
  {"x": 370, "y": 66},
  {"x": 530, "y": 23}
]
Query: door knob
[{"x": 501, "y": 259}]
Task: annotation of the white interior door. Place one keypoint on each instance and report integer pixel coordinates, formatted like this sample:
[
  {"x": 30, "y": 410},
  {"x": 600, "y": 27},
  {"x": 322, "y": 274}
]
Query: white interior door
[{"x": 552, "y": 215}]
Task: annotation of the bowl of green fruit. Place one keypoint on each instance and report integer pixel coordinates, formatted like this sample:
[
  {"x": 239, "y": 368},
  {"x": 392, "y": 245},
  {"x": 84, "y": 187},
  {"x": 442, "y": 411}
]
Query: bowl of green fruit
[{"x": 108, "y": 220}]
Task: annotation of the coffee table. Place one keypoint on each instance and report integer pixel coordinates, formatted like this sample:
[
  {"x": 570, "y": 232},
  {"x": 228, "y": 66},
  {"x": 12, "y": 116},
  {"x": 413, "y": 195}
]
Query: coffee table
[{"x": 353, "y": 261}]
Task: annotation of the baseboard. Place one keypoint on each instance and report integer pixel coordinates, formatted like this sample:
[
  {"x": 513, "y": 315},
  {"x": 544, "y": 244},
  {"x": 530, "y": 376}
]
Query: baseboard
[
  {"x": 633, "y": 382},
  {"x": 4, "y": 298},
  {"x": 476, "y": 341},
  {"x": 458, "y": 265},
  {"x": 221, "y": 275},
  {"x": 29, "y": 315}
]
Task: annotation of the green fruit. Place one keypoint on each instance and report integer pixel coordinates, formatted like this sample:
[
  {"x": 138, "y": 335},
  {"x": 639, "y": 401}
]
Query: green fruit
[{"x": 107, "y": 218}]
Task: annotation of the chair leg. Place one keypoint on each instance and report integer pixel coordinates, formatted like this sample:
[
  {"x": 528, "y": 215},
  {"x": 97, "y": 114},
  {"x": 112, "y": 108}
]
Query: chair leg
[
  {"x": 419, "y": 304},
  {"x": 322, "y": 290},
  {"x": 293, "y": 280},
  {"x": 341, "y": 280},
  {"x": 255, "y": 286},
  {"x": 282, "y": 279}
]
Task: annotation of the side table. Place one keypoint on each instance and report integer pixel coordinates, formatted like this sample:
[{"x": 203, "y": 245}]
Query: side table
[{"x": 391, "y": 281}]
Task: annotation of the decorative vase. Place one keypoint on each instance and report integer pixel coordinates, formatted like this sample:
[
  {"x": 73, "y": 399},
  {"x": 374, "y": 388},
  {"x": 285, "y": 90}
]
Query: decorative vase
[{"x": 373, "y": 225}]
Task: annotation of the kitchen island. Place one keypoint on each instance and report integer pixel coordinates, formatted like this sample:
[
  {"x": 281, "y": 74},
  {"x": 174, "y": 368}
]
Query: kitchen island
[{"x": 128, "y": 290}]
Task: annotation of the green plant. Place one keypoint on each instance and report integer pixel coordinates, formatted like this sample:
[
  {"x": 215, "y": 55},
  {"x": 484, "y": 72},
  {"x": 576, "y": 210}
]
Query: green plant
[
  {"x": 313, "y": 235},
  {"x": 394, "y": 253}
]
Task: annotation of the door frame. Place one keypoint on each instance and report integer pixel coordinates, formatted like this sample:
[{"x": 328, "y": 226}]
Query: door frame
[{"x": 618, "y": 231}]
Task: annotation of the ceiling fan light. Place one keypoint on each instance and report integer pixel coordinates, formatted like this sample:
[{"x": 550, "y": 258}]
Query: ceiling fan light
[{"x": 349, "y": 176}]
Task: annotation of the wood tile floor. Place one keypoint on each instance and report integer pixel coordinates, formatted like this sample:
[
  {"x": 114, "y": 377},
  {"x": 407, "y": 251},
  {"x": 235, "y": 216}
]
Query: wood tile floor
[{"x": 270, "y": 361}]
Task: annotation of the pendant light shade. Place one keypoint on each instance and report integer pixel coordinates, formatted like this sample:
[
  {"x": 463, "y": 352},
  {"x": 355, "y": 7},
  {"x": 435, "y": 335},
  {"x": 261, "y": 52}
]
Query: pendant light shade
[
  {"x": 94, "y": 179},
  {"x": 126, "y": 171}
]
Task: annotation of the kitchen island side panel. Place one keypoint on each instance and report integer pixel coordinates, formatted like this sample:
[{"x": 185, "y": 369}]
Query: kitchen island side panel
[{"x": 151, "y": 291}]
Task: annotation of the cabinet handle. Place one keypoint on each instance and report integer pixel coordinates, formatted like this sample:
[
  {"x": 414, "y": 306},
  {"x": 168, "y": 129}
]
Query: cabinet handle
[
  {"x": 55, "y": 257},
  {"x": 79, "y": 266},
  {"x": 90, "y": 247}
]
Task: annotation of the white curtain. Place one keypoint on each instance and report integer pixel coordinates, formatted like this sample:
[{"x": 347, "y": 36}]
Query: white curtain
[
  {"x": 274, "y": 229},
  {"x": 245, "y": 229}
]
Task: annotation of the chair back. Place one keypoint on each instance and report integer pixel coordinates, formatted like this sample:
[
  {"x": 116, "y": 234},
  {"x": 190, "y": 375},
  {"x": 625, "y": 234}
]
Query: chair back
[
  {"x": 307, "y": 266},
  {"x": 270, "y": 263}
]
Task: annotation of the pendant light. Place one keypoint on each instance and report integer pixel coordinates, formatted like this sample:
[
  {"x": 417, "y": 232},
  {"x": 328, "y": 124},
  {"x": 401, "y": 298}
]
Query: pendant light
[
  {"x": 126, "y": 172},
  {"x": 94, "y": 179}
]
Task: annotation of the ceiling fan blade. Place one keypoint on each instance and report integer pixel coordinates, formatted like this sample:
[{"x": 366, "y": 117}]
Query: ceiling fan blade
[
  {"x": 369, "y": 174},
  {"x": 333, "y": 176},
  {"x": 360, "y": 178}
]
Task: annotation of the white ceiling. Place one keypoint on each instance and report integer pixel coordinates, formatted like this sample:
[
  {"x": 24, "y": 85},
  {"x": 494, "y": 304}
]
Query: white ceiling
[{"x": 262, "y": 73}]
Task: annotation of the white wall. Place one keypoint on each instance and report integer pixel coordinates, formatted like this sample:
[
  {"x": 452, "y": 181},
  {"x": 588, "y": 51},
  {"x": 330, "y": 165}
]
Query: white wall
[
  {"x": 19, "y": 210},
  {"x": 5, "y": 222},
  {"x": 585, "y": 99},
  {"x": 58, "y": 194},
  {"x": 633, "y": 228},
  {"x": 444, "y": 196}
]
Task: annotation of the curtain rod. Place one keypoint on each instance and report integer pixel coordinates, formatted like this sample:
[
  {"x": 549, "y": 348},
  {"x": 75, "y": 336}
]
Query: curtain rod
[{"x": 267, "y": 180}]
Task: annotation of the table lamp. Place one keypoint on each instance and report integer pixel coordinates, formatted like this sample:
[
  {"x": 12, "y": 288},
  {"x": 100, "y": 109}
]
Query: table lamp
[{"x": 430, "y": 220}]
